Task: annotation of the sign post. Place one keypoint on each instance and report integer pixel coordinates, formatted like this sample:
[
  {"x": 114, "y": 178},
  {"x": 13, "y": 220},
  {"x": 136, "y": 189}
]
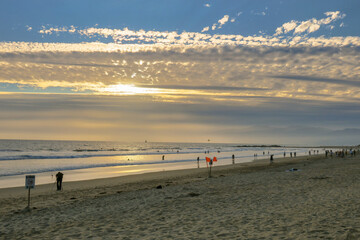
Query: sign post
[{"x": 29, "y": 183}]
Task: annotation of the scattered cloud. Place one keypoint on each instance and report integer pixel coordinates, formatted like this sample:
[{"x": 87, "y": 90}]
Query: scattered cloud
[
  {"x": 205, "y": 29},
  {"x": 352, "y": 83},
  {"x": 247, "y": 86},
  {"x": 207, "y": 5},
  {"x": 127, "y": 36},
  {"x": 28, "y": 28},
  {"x": 167, "y": 72},
  {"x": 259, "y": 13},
  {"x": 52, "y": 30},
  {"x": 223, "y": 20},
  {"x": 309, "y": 26},
  {"x": 219, "y": 24}
]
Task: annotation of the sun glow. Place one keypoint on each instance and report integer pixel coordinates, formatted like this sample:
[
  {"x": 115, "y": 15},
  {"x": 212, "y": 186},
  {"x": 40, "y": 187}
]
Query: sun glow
[{"x": 127, "y": 89}]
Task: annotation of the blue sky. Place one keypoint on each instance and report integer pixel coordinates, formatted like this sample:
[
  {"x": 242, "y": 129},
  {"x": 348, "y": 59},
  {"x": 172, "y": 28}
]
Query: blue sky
[{"x": 234, "y": 71}]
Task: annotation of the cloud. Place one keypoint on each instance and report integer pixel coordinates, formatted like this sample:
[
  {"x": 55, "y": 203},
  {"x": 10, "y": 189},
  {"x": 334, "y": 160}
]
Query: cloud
[
  {"x": 207, "y": 5},
  {"x": 351, "y": 83},
  {"x": 210, "y": 88},
  {"x": 127, "y": 36},
  {"x": 221, "y": 22},
  {"x": 309, "y": 26},
  {"x": 228, "y": 87},
  {"x": 259, "y": 13},
  {"x": 183, "y": 73},
  {"x": 205, "y": 29},
  {"x": 52, "y": 30}
]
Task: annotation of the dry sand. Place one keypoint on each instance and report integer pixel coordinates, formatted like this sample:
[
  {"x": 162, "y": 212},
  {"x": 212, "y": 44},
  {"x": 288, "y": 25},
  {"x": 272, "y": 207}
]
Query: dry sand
[{"x": 242, "y": 201}]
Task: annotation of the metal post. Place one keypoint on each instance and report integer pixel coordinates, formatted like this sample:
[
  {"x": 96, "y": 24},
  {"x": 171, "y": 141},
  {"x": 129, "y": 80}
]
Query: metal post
[
  {"x": 29, "y": 199},
  {"x": 210, "y": 169}
]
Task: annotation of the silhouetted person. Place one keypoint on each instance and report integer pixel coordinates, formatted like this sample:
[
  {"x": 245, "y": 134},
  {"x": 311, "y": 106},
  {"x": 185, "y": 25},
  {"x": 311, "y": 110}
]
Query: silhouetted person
[
  {"x": 233, "y": 159},
  {"x": 163, "y": 157},
  {"x": 271, "y": 158},
  {"x": 198, "y": 162},
  {"x": 59, "y": 178}
]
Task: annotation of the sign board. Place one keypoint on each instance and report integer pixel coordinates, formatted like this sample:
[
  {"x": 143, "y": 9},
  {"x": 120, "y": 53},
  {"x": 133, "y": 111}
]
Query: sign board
[{"x": 30, "y": 181}]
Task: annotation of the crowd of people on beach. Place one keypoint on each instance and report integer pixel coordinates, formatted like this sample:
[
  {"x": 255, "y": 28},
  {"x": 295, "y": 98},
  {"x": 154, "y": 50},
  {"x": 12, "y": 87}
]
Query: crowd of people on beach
[{"x": 341, "y": 153}]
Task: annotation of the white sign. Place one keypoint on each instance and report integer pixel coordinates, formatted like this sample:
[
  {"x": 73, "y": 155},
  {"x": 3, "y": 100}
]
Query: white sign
[{"x": 30, "y": 181}]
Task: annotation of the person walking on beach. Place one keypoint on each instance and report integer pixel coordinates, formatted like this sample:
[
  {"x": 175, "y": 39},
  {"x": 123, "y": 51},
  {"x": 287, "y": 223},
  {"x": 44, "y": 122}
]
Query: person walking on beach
[
  {"x": 163, "y": 157},
  {"x": 271, "y": 158},
  {"x": 198, "y": 161},
  {"x": 233, "y": 159},
  {"x": 59, "y": 178}
]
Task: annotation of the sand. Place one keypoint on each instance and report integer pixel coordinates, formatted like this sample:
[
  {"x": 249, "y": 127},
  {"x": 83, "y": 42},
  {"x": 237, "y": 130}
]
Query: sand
[{"x": 242, "y": 201}]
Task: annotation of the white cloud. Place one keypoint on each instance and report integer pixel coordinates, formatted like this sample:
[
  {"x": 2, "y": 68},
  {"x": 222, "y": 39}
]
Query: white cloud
[
  {"x": 123, "y": 37},
  {"x": 52, "y": 30},
  {"x": 309, "y": 26},
  {"x": 205, "y": 29},
  {"x": 223, "y": 20},
  {"x": 28, "y": 28},
  {"x": 219, "y": 23},
  {"x": 207, "y": 5}
]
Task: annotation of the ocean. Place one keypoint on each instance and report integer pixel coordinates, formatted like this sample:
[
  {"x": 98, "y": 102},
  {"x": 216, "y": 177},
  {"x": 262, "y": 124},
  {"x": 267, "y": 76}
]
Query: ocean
[{"x": 83, "y": 160}]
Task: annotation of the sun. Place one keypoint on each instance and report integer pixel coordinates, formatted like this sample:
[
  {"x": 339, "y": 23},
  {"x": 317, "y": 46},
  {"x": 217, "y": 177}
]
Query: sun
[{"x": 127, "y": 89}]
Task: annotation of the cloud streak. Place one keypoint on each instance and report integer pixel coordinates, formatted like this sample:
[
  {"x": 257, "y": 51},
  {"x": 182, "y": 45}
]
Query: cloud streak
[
  {"x": 308, "y": 26},
  {"x": 128, "y": 37}
]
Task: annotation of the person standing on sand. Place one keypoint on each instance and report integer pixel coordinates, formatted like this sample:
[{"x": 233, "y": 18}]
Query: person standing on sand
[
  {"x": 163, "y": 157},
  {"x": 59, "y": 178},
  {"x": 271, "y": 158},
  {"x": 198, "y": 161},
  {"x": 233, "y": 159}
]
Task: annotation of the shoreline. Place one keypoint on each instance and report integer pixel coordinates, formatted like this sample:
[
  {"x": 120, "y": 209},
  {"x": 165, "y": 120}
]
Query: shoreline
[
  {"x": 129, "y": 167},
  {"x": 257, "y": 164}
]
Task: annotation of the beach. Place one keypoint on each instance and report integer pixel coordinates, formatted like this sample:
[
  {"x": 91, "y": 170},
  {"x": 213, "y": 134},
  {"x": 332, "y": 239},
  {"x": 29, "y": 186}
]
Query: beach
[{"x": 309, "y": 197}]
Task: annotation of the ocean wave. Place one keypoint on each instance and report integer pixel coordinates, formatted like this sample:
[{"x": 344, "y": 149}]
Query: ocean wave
[
  {"x": 10, "y": 150},
  {"x": 88, "y": 166},
  {"x": 29, "y": 156}
]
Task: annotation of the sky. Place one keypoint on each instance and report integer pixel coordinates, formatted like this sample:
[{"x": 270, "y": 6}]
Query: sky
[{"x": 251, "y": 72}]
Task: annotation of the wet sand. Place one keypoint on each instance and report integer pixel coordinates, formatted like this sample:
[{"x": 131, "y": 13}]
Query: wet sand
[{"x": 242, "y": 201}]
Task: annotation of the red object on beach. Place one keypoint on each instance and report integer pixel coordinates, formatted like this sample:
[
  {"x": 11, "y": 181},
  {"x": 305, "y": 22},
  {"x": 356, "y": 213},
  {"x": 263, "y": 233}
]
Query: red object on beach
[
  {"x": 208, "y": 159},
  {"x": 215, "y": 159}
]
